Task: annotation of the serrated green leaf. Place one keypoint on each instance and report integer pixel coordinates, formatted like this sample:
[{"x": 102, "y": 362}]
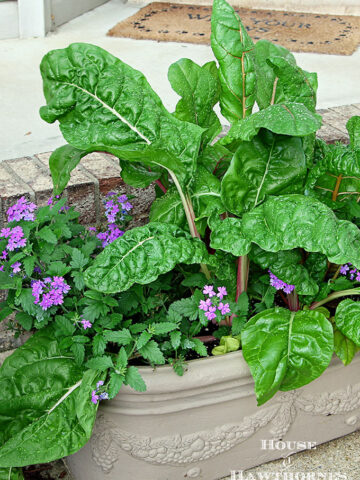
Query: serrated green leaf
[
  {"x": 78, "y": 280},
  {"x": 199, "y": 347},
  {"x": 141, "y": 255},
  {"x": 144, "y": 338},
  {"x": 5, "y": 312},
  {"x": 152, "y": 352},
  {"x": 164, "y": 327},
  {"x": 48, "y": 235},
  {"x": 78, "y": 259},
  {"x": 175, "y": 338},
  {"x": 29, "y": 263},
  {"x": 122, "y": 337},
  {"x": 116, "y": 382},
  {"x": 79, "y": 352},
  {"x": 100, "y": 363},
  {"x": 25, "y": 320},
  {"x": 58, "y": 268},
  {"x": 64, "y": 326},
  {"x": 186, "y": 307},
  {"x": 99, "y": 345},
  {"x": 134, "y": 379},
  {"x": 286, "y": 350},
  {"x": 122, "y": 359}
]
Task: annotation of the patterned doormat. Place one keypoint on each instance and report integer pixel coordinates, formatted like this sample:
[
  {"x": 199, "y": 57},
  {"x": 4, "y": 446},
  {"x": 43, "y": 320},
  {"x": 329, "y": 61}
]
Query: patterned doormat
[{"x": 299, "y": 32}]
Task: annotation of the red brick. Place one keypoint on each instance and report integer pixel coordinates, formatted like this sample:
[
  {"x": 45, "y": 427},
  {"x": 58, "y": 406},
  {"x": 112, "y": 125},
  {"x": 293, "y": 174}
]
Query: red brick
[
  {"x": 34, "y": 175},
  {"x": 107, "y": 172}
]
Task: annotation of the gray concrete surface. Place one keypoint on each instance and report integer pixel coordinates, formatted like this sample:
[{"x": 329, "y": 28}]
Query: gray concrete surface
[{"x": 22, "y": 131}]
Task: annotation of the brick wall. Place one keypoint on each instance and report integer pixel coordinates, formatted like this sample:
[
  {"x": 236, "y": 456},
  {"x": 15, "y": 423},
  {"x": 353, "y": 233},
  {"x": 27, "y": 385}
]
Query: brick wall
[{"x": 98, "y": 174}]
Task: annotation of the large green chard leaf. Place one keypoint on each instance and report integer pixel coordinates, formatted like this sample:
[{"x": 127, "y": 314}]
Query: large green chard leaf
[
  {"x": 292, "y": 83},
  {"x": 141, "y": 255},
  {"x": 137, "y": 175},
  {"x": 45, "y": 408},
  {"x": 227, "y": 236},
  {"x": 265, "y": 75},
  {"x": 204, "y": 194},
  {"x": 336, "y": 175},
  {"x": 289, "y": 221},
  {"x": 62, "y": 162},
  {"x": 344, "y": 348},
  {"x": 347, "y": 319},
  {"x": 268, "y": 165},
  {"x": 103, "y": 104},
  {"x": 289, "y": 118},
  {"x": 286, "y": 266},
  {"x": 199, "y": 90},
  {"x": 286, "y": 350},
  {"x": 353, "y": 127},
  {"x": 232, "y": 48},
  {"x": 216, "y": 159}
]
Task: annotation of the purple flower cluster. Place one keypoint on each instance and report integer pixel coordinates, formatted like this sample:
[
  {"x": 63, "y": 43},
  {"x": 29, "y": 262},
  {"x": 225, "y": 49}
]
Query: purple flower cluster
[
  {"x": 112, "y": 233},
  {"x": 348, "y": 269},
  {"x": 15, "y": 237},
  {"x": 212, "y": 304},
  {"x": 117, "y": 209},
  {"x": 115, "y": 206},
  {"x": 21, "y": 210},
  {"x": 96, "y": 395},
  {"x": 49, "y": 292},
  {"x": 85, "y": 323},
  {"x": 279, "y": 284},
  {"x": 3, "y": 256}
]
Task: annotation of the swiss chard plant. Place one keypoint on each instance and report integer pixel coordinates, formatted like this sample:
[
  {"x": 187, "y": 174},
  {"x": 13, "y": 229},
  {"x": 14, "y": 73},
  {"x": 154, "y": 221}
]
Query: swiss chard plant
[{"x": 252, "y": 241}]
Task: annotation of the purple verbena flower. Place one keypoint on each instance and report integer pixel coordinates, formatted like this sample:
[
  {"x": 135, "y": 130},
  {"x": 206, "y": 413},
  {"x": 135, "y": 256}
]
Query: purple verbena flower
[
  {"x": 21, "y": 210},
  {"x": 104, "y": 396},
  {"x": 5, "y": 232},
  {"x": 221, "y": 292},
  {"x": 224, "y": 308},
  {"x": 86, "y": 324},
  {"x": 279, "y": 284},
  {"x": 3, "y": 255},
  {"x": 205, "y": 304},
  {"x": 15, "y": 238},
  {"x": 52, "y": 291},
  {"x": 209, "y": 290},
  {"x": 94, "y": 397},
  {"x": 344, "y": 269},
  {"x": 16, "y": 267},
  {"x": 37, "y": 269},
  {"x": 112, "y": 233},
  {"x": 100, "y": 383},
  {"x": 1, "y": 268}
]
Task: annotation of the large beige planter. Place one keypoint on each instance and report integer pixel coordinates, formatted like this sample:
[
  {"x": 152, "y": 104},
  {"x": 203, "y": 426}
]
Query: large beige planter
[{"x": 206, "y": 423}]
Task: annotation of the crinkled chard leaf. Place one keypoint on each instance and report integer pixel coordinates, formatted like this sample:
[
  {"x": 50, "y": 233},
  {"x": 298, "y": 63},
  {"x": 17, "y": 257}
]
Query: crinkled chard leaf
[
  {"x": 232, "y": 47},
  {"x": 293, "y": 84},
  {"x": 353, "y": 127},
  {"x": 102, "y": 103},
  {"x": 268, "y": 165},
  {"x": 344, "y": 348},
  {"x": 289, "y": 221},
  {"x": 336, "y": 175},
  {"x": 62, "y": 162},
  {"x": 199, "y": 90},
  {"x": 289, "y": 118},
  {"x": 227, "y": 235},
  {"x": 347, "y": 319},
  {"x": 286, "y": 266},
  {"x": 266, "y": 81},
  {"x": 286, "y": 350},
  {"x": 136, "y": 175},
  {"x": 141, "y": 255},
  {"x": 45, "y": 408},
  {"x": 205, "y": 196}
]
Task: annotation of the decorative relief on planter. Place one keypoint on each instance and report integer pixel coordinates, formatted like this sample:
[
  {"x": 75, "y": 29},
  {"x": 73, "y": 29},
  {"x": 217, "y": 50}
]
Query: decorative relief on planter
[{"x": 108, "y": 441}]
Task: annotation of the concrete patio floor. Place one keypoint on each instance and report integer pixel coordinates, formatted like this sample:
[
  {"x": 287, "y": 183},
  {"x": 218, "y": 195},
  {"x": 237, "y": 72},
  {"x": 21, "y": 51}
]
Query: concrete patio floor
[{"x": 24, "y": 133}]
